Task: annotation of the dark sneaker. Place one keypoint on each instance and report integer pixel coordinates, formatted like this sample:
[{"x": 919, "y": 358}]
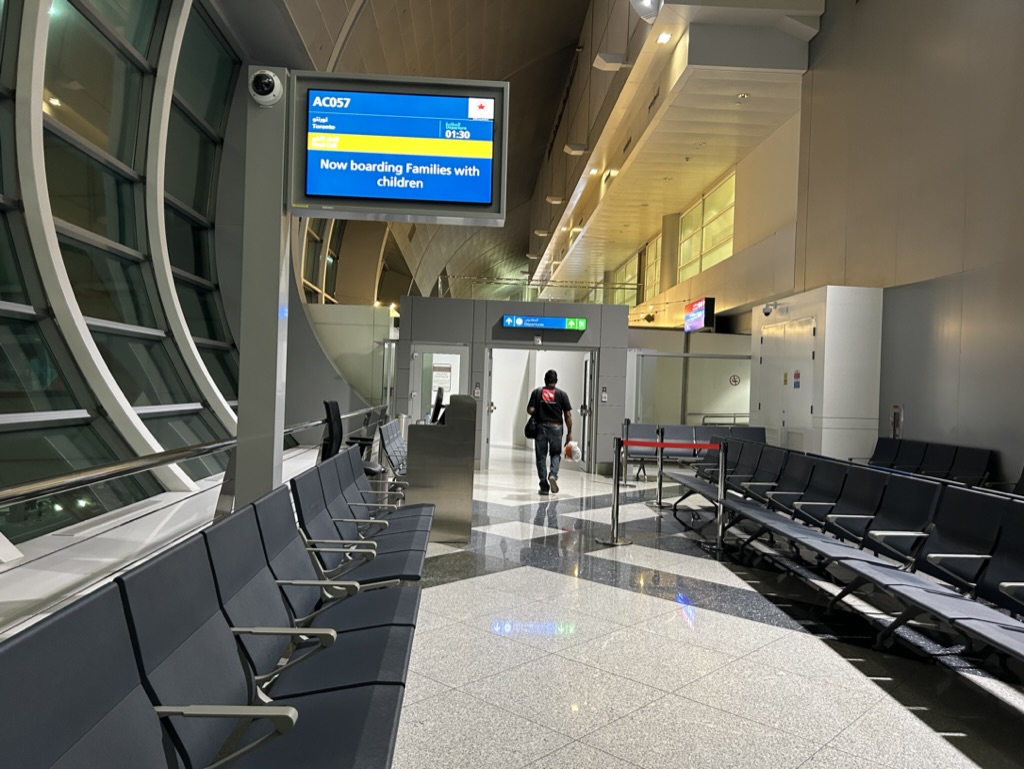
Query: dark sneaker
[
  {"x": 554, "y": 484},
  {"x": 543, "y": 491}
]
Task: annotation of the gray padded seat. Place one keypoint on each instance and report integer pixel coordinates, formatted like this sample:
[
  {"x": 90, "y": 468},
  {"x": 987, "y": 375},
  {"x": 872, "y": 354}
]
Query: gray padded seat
[
  {"x": 189, "y": 656},
  {"x": 288, "y": 559},
  {"x": 355, "y": 488},
  {"x": 678, "y": 434},
  {"x": 250, "y": 597},
  {"x": 409, "y": 532},
  {"x": 72, "y": 697}
]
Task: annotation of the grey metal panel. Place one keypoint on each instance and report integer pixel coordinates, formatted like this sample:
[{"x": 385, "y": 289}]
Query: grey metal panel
[
  {"x": 441, "y": 470},
  {"x": 991, "y": 364},
  {"x": 440, "y": 320},
  {"x": 921, "y": 358}
]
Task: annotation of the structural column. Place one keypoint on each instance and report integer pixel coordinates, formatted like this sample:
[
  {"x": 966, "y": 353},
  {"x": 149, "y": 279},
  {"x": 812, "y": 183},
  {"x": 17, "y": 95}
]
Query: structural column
[{"x": 266, "y": 267}]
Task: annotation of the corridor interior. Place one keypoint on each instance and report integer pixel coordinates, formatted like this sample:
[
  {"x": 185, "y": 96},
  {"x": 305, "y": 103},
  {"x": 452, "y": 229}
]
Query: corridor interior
[{"x": 538, "y": 647}]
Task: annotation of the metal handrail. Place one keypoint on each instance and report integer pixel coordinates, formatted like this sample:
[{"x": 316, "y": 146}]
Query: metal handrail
[{"x": 26, "y": 492}]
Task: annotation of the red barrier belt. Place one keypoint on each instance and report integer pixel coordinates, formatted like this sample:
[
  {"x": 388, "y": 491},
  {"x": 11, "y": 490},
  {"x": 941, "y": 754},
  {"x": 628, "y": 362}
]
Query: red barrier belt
[{"x": 657, "y": 444}]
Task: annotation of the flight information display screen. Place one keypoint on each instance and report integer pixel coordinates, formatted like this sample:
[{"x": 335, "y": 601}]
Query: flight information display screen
[{"x": 401, "y": 147}]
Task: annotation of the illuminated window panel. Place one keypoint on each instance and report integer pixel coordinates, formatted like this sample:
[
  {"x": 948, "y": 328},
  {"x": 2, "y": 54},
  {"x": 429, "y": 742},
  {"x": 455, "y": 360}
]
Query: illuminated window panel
[{"x": 89, "y": 86}]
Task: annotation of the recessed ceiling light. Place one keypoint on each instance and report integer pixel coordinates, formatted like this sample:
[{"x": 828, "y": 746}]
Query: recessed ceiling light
[
  {"x": 540, "y": 233},
  {"x": 664, "y": 37},
  {"x": 54, "y": 101},
  {"x": 554, "y": 200},
  {"x": 593, "y": 172},
  {"x": 743, "y": 95},
  {"x": 574, "y": 149},
  {"x": 565, "y": 229}
]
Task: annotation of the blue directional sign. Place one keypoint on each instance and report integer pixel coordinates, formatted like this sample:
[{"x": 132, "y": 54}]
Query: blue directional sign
[{"x": 544, "y": 322}]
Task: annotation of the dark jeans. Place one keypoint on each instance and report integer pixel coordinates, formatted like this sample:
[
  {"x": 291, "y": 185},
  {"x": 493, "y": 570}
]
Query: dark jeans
[{"x": 548, "y": 443}]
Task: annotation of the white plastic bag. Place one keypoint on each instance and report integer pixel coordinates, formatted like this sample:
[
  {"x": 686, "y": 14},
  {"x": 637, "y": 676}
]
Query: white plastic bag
[{"x": 572, "y": 451}]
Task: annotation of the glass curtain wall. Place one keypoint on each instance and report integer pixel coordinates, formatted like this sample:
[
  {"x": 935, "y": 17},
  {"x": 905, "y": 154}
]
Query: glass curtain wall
[
  {"x": 49, "y": 422},
  {"x": 97, "y": 92},
  {"x": 320, "y": 259},
  {"x": 203, "y": 85},
  {"x": 706, "y": 229}
]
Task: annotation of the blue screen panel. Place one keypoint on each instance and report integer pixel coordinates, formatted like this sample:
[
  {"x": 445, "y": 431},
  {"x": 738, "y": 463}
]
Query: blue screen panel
[
  {"x": 400, "y": 147},
  {"x": 544, "y": 322}
]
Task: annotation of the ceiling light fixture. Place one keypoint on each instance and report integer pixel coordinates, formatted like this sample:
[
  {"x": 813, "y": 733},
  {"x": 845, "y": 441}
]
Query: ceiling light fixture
[
  {"x": 647, "y": 9},
  {"x": 594, "y": 172},
  {"x": 540, "y": 233},
  {"x": 610, "y": 62},
  {"x": 555, "y": 200},
  {"x": 742, "y": 96},
  {"x": 664, "y": 37},
  {"x": 54, "y": 101},
  {"x": 565, "y": 229},
  {"x": 574, "y": 149},
  {"x": 533, "y": 257}
]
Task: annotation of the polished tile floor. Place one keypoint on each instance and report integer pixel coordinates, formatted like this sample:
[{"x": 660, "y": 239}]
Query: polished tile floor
[{"x": 537, "y": 647}]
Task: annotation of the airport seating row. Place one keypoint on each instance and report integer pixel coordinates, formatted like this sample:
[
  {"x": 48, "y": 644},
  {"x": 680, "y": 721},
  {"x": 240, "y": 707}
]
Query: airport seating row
[
  {"x": 963, "y": 464},
  {"x": 940, "y": 550},
  {"x": 395, "y": 450},
  {"x": 250, "y": 644},
  {"x": 682, "y": 434}
]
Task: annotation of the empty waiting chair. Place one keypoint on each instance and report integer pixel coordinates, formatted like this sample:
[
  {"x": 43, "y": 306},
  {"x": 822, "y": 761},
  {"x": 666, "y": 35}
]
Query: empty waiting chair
[
  {"x": 971, "y": 466},
  {"x": 678, "y": 434},
  {"x": 938, "y": 460},
  {"x": 288, "y": 660},
  {"x": 72, "y": 693},
  {"x": 884, "y": 452},
  {"x": 312, "y": 597},
  {"x": 188, "y": 656},
  {"x": 642, "y": 432},
  {"x": 909, "y": 456}
]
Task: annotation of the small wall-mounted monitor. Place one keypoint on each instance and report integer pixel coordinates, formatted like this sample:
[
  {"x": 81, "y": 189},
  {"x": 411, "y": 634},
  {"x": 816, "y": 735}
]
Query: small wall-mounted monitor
[
  {"x": 409, "y": 149},
  {"x": 699, "y": 315}
]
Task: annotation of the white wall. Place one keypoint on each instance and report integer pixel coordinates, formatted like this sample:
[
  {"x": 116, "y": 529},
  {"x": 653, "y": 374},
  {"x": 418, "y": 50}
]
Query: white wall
[
  {"x": 352, "y": 337},
  {"x": 513, "y": 379},
  {"x": 766, "y": 186},
  {"x": 708, "y": 386}
]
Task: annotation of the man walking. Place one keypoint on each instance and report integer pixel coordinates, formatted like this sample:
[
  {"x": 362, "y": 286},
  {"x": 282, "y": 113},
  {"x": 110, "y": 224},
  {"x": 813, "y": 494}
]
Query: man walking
[{"x": 549, "y": 406}]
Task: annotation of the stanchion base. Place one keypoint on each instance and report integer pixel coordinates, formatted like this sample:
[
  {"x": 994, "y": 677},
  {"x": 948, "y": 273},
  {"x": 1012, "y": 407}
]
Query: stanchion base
[
  {"x": 712, "y": 548},
  {"x": 614, "y": 542}
]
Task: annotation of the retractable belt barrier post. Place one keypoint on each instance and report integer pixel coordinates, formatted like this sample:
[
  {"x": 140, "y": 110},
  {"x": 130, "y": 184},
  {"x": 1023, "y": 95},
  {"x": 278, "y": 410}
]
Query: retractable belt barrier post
[
  {"x": 720, "y": 523},
  {"x": 661, "y": 465},
  {"x": 615, "y": 539},
  {"x": 625, "y": 456},
  {"x": 660, "y": 444}
]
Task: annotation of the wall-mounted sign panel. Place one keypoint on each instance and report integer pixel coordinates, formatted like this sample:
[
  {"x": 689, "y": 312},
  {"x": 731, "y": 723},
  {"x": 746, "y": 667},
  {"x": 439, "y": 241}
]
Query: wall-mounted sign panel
[
  {"x": 414, "y": 149},
  {"x": 544, "y": 322},
  {"x": 699, "y": 314}
]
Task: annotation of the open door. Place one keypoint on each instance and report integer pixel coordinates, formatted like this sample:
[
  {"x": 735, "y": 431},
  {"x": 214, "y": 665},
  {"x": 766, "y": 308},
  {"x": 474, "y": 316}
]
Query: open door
[{"x": 586, "y": 411}]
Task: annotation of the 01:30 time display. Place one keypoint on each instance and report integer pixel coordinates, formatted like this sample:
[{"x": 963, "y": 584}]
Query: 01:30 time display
[{"x": 456, "y": 133}]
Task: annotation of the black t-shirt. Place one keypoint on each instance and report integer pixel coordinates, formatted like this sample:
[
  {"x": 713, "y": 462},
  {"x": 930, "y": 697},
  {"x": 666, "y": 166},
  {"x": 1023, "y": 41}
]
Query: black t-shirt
[{"x": 549, "y": 404}]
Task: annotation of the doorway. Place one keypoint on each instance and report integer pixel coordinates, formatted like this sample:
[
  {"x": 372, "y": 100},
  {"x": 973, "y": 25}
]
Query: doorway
[
  {"x": 512, "y": 375},
  {"x": 444, "y": 367}
]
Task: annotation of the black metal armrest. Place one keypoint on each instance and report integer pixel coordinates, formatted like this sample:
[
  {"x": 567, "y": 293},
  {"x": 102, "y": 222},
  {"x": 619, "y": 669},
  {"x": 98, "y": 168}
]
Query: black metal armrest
[
  {"x": 374, "y": 505},
  {"x": 938, "y": 557},
  {"x": 1011, "y": 588},
  {"x": 883, "y": 534},
  {"x": 363, "y": 521},
  {"x": 798, "y": 505},
  {"x": 324, "y": 637},
  {"x": 349, "y": 588},
  {"x": 282, "y": 717},
  {"x": 360, "y": 542}
]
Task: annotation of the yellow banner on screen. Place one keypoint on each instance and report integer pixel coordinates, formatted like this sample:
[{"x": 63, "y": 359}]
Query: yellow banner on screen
[{"x": 400, "y": 145}]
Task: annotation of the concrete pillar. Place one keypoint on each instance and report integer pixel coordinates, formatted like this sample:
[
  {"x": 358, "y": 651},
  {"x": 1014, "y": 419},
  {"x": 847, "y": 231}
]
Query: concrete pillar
[{"x": 266, "y": 268}]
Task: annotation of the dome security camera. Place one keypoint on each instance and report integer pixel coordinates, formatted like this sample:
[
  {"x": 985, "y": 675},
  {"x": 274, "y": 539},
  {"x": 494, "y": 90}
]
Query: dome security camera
[
  {"x": 769, "y": 308},
  {"x": 265, "y": 88}
]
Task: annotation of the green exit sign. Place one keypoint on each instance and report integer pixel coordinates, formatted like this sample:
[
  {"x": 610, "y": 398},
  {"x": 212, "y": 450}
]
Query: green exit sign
[{"x": 576, "y": 324}]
